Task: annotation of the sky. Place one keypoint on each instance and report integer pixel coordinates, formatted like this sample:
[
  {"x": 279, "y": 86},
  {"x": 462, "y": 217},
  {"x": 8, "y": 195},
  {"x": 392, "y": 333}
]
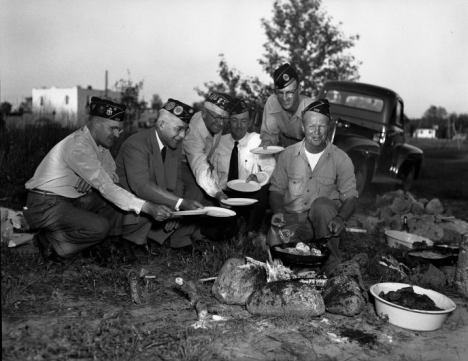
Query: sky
[{"x": 418, "y": 48}]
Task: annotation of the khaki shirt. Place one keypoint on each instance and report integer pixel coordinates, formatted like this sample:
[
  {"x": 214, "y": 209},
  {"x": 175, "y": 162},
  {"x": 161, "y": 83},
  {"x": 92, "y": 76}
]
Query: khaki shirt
[
  {"x": 333, "y": 177},
  {"x": 278, "y": 126},
  {"x": 78, "y": 156},
  {"x": 199, "y": 146}
]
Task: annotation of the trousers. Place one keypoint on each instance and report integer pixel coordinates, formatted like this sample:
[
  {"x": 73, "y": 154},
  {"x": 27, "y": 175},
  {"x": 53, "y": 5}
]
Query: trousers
[{"x": 71, "y": 225}]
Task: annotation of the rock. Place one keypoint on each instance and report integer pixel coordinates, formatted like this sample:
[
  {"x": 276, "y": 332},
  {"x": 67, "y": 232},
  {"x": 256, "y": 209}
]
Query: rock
[
  {"x": 237, "y": 280},
  {"x": 370, "y": 224},
  {"x": 424, "y": 201},
  {"x": 387, "y": 198},
  {"x": 453, "y": 230},
  {"x": 461, "y": 275},
  {"x": 435, "y": 207},
  {"x": 432, "y": 277},
  {"x": 401, "y": 205},
  {"x": 428, "y": 229},
  {"x": 386, "y": 212},
  {"x": 362, "y": 259},
  {"x": 349, "y": 269},
  {"x": 293, "y": 298},
  {"x": 418, "y": 208},
  {"x": 342, "y": 296},
  {"x": 387, "y": 267},
  {"x": 449, "y": 272}
]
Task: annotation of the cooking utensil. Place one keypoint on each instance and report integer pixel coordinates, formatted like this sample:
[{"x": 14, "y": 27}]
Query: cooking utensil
[{"x": 299, "y": 259}]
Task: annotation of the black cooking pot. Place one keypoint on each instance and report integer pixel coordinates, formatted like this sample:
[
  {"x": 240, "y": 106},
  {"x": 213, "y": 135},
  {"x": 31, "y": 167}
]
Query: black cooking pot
[{"x": 281, "y": 252}]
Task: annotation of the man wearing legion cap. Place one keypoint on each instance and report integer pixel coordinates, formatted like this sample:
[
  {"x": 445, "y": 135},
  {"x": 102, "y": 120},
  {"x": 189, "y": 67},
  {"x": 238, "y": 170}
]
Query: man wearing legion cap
[
  {"x": 205, "y": 132},
  {"x": 233, "y": 159},
  {"x": 313, "y": 187},
  {"x": 149, "y": 165},
  {"x": 282, "y": 114},
  {"x": 73, "y": 196}
]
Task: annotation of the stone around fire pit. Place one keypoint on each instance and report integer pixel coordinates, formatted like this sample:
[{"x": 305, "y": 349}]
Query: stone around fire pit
[
  {"x": 292, "y": 298},
  {"x": 342, "y": 296},
  {"x": 237, "y": 280}
]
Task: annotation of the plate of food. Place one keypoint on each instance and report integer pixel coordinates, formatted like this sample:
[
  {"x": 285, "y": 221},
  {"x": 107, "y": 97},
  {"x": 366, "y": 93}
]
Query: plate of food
[
  {"x": 241, "y": 185},
  {"x": 219, "y": 212},
  {"x": 190, "y": 213},
  {"x": 239, "y": 201},
  {"x": 271, "y": 149}
]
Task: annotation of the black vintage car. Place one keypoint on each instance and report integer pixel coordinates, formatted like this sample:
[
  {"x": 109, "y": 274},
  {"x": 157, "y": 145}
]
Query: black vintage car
[{"x": 369, "y": 127}]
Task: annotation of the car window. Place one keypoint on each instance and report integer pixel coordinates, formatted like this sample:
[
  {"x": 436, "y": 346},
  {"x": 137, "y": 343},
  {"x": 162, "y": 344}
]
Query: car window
[{"x": 355, "y": 100}]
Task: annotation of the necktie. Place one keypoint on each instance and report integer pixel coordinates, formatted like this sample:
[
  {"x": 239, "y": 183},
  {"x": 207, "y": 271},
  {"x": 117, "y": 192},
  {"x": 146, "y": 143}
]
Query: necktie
[
  {"x": 163, "y": 154},
  {"x": 234, "y": 163}
]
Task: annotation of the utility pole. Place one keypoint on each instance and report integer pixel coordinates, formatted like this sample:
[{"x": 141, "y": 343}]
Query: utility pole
[{"x": 106, "y": 86}]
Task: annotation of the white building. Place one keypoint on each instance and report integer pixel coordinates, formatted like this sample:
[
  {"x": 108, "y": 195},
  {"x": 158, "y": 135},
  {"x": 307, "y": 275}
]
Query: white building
[
  {"x": 67, "y": 105},
  {"x": 425, "y": 133}
]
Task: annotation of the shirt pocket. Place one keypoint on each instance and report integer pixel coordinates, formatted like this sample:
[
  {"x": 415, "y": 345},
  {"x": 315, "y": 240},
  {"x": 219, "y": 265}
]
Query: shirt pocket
[
  {"x": 326, "y": 184},
  {"x": 295, "y": 186}
]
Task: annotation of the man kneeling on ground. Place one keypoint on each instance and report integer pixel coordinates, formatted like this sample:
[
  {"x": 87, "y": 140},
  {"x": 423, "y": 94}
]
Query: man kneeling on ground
[
  {"x": 73, "y": 197},
  {"x": 313, "y": 187}
]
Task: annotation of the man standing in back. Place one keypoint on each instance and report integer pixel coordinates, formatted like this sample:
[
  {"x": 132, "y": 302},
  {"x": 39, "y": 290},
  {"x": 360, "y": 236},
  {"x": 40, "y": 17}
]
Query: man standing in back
[{"x": 282, "y": 114}]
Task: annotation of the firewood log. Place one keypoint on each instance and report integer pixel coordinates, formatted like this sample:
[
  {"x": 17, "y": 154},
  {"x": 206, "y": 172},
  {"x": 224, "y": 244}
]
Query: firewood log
[{"x": 461, "y": 275}]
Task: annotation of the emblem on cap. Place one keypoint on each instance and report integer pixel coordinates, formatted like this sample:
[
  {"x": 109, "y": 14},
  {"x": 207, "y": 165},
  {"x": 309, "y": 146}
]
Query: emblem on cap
[
  {"x": 170, "y": 105},
  {"x": 178, "y": 110},
  {"x": 101, "y": 109},
  {"x": 286, "y": 77},
  {"x": 109, "y": 111}
]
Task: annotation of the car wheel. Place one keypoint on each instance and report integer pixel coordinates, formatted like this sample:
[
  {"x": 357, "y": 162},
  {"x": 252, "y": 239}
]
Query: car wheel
[
  {"x": 407, "y": 178},
  {"x": 361, "y": 172}
]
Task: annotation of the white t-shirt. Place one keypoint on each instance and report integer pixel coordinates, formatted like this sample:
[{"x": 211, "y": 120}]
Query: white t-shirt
[{"x": 313, "y": 158}]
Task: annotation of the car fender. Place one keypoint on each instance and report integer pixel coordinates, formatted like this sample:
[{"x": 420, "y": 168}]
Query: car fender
[
  {"x": 357, "y": 145},
  {"x": 407, "y": 152}
]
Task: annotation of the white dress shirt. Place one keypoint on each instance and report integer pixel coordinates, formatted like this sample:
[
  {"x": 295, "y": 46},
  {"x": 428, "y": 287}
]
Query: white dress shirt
[{"x": 262, "y": 165}]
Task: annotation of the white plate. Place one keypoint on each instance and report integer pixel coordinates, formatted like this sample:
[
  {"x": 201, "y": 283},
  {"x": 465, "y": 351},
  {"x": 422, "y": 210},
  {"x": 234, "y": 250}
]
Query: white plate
[
  {"x": 190, "y": 213},
  {"x": 242, "y": 186},
  {"x": 219, "y": 212},
  {"x": 272, "y": 149},
  {"x": 239, "y": 201}
]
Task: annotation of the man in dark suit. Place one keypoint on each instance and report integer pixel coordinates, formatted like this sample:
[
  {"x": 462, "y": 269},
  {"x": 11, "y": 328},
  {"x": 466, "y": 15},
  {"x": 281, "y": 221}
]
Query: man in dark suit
[{"x": 149, "y": 165}]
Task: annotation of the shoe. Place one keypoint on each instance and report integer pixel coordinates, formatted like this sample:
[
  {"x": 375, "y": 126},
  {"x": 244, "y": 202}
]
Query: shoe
[
  {"x": 128, "y": 255},
  {"x": 46, "y": 250},
  {"x": 153, "y": 248}
]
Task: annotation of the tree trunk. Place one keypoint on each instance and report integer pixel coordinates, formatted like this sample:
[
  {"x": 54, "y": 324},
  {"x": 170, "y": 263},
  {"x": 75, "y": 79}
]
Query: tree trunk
[{"x": 461, "y": 275}]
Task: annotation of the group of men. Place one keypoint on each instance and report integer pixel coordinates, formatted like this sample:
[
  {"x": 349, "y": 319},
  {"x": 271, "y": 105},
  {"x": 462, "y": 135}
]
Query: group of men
[{"x": 79, "y": 196}]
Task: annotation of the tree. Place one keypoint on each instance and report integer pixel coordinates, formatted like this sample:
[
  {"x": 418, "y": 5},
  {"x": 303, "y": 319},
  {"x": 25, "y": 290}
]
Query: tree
[
  {"x": 235, "y": 84},
  {"x": 156, "y": 102},
  {"x": 301, "y": 34},
  {"x": 130, "y": 92}
]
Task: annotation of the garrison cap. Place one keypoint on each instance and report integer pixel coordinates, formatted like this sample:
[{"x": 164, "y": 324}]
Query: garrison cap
[
  {"x": 321, "y": 106},
  {"x": 181, "y": 110},
  {"x": 218, "y": 102},
  {"x": 238, "y": 106},
  {"x": 284, "y": 75},
  {"x": 107, "y": 109}
]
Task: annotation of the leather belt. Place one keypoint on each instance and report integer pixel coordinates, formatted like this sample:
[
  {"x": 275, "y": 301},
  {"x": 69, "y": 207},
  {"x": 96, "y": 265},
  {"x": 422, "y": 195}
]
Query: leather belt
[{"x": 44, "y": 193}]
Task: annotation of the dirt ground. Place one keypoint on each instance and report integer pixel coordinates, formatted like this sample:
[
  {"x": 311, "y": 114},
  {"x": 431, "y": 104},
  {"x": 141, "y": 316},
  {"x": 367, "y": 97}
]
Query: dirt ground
[{"x": 81, "y": 311}]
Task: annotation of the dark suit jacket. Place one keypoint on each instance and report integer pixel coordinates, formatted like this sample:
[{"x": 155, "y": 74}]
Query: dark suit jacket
[{"x": 141, "y": 170}]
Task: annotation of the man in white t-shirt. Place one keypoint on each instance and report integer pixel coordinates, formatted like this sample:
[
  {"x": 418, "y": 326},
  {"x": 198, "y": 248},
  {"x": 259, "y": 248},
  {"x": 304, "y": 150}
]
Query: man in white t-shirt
[{"x": 313, "y": 186}]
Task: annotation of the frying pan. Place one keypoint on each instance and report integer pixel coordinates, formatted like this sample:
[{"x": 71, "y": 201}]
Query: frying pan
[{"x": 278, "y": 251}]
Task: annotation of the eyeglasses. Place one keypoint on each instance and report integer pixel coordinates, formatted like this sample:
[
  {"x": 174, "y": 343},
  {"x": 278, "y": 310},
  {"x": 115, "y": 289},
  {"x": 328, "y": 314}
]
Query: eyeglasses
[
  {"x": 181, "y": 130},
  {"x": 117, "y": 130},
  {"x": 286, "y": 95},
  {"x": 217, "y": 118}
]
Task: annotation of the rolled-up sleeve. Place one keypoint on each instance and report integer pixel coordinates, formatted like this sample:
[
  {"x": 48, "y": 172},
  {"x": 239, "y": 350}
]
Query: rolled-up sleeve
[
  {"x": 269, "y": 130},
  {"x": 195, "y": 148},
  {"x": 346, "y": 179},
  {"x": 84, "y": 161}
]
